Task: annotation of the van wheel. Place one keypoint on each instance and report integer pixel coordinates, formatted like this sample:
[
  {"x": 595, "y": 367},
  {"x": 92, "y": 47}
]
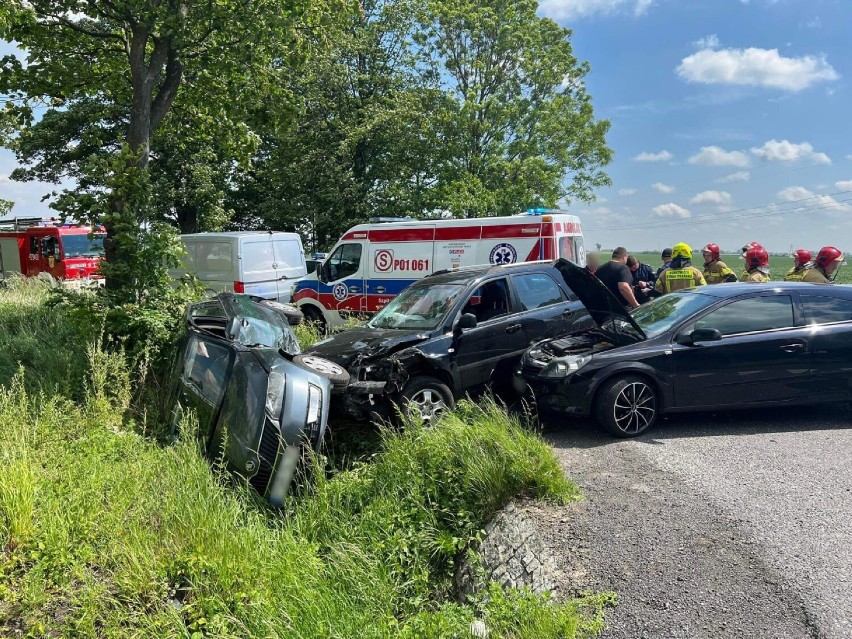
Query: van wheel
[
  {"x": 627, "y": 406},
  {"x": 336, "y": 374},
  {"x": 314, "y": 317},
  {"x": 426, "y": 399}
]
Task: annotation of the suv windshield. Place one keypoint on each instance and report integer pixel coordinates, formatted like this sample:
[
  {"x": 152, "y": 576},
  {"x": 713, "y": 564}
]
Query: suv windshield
[
  {"x": 418, "y": 307},
  {"x": 662, "y": 313}
]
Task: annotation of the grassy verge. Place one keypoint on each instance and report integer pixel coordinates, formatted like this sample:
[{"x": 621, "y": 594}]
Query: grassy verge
[{"x": 106, "y": 533}]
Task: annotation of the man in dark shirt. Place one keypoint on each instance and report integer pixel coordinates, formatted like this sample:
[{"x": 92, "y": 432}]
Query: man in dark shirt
[
  {"x": 666, "y": 257},
  {"x": 643, "y": 279},
  {"x": 617, "y": 278}
]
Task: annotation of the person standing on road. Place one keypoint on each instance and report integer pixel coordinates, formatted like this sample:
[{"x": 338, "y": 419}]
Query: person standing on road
[
  {"x": 757, "y": 266},
  {"x": 827, "y": 262},
  {"x": 715, "y": 270},
  {"x": 643, "y": 279},
  {"x": 617, "y": 278},
  {"x": 666, "y": 257},
  {"x": 801, "y": 262},
  {"x": 681, "y": 273},
  {"x": 592, "y": 262}
]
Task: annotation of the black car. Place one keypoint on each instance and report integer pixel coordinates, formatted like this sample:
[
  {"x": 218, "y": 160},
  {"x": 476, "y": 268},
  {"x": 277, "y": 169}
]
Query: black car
[
  {"x": 449, "y": 334},
  {"x": 257, "y": 400},
  {"x": 713, "y": 347}
]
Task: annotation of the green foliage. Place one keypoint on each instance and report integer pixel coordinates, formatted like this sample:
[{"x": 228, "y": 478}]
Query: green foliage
[{"x": 5, "y": 207}]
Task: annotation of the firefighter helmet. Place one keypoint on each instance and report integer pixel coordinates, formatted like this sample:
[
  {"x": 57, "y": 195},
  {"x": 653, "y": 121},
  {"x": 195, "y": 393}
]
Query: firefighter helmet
[
  {"x": 713, "y": 249},
  {"x": 681, "y": 250},
  {"x": 756, "y": 257},
  {"x": 750, "y": 245},
  {"x": 828, "y": 254},
  {"x": 801, "y": 257}
]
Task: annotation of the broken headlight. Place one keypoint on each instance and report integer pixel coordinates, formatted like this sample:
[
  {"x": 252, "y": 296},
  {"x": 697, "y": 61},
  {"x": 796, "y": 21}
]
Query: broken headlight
[
  {"x": 314, "y": 404},
  {"x": 275, "y": 387},
  {"x": 565, "y": 366}
]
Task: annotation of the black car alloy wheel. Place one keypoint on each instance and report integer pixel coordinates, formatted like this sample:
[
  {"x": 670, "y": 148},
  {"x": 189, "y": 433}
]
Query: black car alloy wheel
[
  {"x": 627, "y": 406},
  {"x": 426, "y": 398}
]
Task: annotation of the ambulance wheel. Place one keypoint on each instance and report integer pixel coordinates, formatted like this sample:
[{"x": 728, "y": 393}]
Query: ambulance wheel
[
  {"x": 426, "y": 399},
  {"x": 314, "y": 317}
]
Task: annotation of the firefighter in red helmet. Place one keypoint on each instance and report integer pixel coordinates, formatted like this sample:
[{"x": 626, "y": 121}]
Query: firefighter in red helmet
[
  {"x": 801, "y": 262},
  {"x": 827, "y": 261},
  {"x": 715, "y": 270},
  {"x": 745, "y": 249},
  {"x": 757, "y": 266}
]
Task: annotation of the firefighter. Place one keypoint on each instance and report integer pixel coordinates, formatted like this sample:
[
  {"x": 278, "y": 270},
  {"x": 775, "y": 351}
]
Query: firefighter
[
  {"x": 681, "y": 273},
  {"x": 715, "y": 270},
  {"x": 744, "y": 250},
  {"x": 757, "y": 266},
  {"x": 801, "y": 262},
  {"x": 825, "y": 266}
]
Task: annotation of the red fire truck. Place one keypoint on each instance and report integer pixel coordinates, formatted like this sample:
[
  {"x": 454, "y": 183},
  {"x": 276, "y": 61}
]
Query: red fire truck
[{"x": 29, "y": 246}]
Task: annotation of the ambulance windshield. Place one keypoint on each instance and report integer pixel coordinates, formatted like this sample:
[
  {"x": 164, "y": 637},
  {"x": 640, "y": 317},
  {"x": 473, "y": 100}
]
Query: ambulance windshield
[{"x": 418, "y": 307}]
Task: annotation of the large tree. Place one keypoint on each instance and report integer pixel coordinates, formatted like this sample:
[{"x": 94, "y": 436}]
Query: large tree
[
  {"x": 517, "y": 125},
  {"x": 111, "y": 71}
]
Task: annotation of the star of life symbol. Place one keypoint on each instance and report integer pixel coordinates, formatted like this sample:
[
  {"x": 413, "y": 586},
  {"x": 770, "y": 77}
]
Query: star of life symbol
[
  {"x": 503, "y": 254},
  {"x": 340, "y": 292}
]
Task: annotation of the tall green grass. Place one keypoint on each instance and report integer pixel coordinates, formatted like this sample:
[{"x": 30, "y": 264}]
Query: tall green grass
[{"x": 106, "y": 533}]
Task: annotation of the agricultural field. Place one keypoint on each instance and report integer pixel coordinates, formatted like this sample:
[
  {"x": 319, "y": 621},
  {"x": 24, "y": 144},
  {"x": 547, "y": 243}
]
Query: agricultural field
[{"x": 778, "y": 264}]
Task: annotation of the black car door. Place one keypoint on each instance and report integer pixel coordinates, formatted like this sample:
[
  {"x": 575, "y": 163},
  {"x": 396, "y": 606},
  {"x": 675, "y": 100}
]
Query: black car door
[
  {"x": 763, "y": 356},
  {"x": 829, "y": 318},
  {"x": 545, "y": 311},
  {"x": 488, "y": 351}
]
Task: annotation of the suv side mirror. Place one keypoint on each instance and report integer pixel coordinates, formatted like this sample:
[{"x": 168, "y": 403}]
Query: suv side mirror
[
  {"x": 466, "y": 321},
  {"x": 700, "y": 335}
]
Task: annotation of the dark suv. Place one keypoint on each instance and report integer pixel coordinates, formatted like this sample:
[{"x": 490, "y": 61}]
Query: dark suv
[{"x": 449, "y": 334}]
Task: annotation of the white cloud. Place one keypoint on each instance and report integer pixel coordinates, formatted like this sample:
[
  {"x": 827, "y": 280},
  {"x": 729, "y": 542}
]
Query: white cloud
[
  {"x": 722, "y": 198},
  {"x": 671, "y": 210},
  {"x": 844, "y": 185},
  {"x": 738, "y": 176},
  {"x": 663, "y": 188},
  {"x": 799, "y": 193},
  {"x": 707, "y": 42},
  {"x": 755, "y": 67},
  {"x": 814, "y": 23},
  {"x": 662, "y": 156},
  {"x": 786, "y": 151},
  {"x": 717, "y": 156},
  {"x": 573, "y": 9},
  {"x": 626, "y": 191}
]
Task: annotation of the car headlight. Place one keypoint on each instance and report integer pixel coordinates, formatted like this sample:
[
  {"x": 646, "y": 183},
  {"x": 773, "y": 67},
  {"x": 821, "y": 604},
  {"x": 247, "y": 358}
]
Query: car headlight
[
  {"x": 565, "y": 366},
  {"x": 314, "y": 404},
  {"x": 275, "y": 394}
]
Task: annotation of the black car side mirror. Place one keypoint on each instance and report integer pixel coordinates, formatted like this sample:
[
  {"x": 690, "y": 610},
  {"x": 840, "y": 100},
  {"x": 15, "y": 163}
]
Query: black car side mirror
[
  {"x": 700, "y": 335},
  {"x": 466, "y": 321}
]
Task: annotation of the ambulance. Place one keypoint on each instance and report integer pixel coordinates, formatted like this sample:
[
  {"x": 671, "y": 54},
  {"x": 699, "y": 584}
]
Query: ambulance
[
  {"x": 372, "y": 263},
  {"x": 67, "y": 252}
]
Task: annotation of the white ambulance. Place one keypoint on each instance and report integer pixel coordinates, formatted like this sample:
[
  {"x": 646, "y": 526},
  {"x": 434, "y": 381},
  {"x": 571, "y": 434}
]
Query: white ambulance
[{"x": 372, "y": 263}]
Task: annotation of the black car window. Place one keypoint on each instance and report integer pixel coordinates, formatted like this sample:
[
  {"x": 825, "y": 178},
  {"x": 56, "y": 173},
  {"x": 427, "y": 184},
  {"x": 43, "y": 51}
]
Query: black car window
[
  {"x": 489, "y": 301},
  {"x": 206, "y": 367},
  {"x": 751, "y": 314},
  {"x": 344, "y": 261},
  {"x": 536, "y": 290},
  {"x": 825, "y": 310}
]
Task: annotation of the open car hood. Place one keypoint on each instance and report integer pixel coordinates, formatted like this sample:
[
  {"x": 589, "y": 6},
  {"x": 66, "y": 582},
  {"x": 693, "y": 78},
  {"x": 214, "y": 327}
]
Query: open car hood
[{"x": 605, "y": 309}]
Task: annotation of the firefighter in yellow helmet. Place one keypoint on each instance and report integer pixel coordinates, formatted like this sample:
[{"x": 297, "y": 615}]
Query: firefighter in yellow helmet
[
  {"x": 681, "y": 273},
  {"x": 757, "y": 266},
  {"x": 715, "y": 270}
]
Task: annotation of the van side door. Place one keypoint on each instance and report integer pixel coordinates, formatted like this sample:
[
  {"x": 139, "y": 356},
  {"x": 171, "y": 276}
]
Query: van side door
[{"x": 289, "y": 264}]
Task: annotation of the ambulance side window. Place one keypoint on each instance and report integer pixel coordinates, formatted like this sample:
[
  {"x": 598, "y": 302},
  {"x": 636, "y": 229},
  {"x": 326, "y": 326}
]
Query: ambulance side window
[{"x": 345, "y": 261}]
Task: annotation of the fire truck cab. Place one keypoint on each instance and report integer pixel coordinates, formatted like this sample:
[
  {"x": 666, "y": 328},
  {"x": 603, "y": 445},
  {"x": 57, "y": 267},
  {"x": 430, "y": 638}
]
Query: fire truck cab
[
  {"x": 372, "y": 263},
  {"x": 30, "y": 246}
]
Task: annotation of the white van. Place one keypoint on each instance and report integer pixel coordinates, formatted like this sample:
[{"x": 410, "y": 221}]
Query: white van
[
  {"x": 260, "y": 263},
  {"x": 372, "y": 263}
]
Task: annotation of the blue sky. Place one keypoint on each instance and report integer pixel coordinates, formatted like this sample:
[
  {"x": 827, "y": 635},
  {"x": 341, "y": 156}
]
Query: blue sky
[
  {"x": 730, "y": 121},
  {"x": 725, "y": 114}
]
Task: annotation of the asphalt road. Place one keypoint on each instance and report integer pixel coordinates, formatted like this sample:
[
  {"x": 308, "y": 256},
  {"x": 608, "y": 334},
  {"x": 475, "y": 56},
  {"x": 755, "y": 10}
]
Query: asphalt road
[{"x": 712, "y": 525}]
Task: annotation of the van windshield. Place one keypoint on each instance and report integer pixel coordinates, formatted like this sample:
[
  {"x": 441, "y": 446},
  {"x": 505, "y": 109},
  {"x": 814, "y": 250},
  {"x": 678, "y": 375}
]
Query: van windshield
[{"x": 418, "y": 307}]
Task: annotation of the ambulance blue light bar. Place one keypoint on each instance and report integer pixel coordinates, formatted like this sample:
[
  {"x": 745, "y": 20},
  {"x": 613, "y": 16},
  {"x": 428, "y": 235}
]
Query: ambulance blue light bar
[{"x": 540, "y": 211}]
